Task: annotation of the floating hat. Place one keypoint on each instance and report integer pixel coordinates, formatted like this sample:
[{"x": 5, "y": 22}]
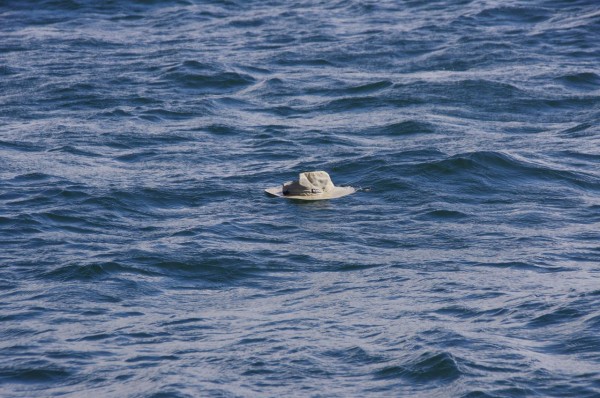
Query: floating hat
[{"x": 312, "y": 185}]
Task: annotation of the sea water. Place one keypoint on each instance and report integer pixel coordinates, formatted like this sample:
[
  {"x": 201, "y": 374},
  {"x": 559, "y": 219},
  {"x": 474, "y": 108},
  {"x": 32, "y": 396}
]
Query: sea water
[{"x": 140, "y": 257}]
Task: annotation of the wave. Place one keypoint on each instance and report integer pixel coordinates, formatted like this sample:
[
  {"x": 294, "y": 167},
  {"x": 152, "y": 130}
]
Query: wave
[
  {"x": 93, "y": 271},
  {"x": 513, "y": 16},
  {"x": 429, "y": 366},
  {"x": 500, "y": 167},
  {"x": 407, "y": 127},
  {"x": 581, "y": 81},
  {"x": 40, "y": 371},
  {"x": 206, "y": 78}
]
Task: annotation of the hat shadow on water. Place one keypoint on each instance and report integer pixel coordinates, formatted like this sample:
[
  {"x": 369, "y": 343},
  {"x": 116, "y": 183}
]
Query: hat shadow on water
[{"x": 312, "y": 204}]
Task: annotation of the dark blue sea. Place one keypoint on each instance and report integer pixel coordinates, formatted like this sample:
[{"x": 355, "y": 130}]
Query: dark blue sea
[{"x": 141, "y": 257}]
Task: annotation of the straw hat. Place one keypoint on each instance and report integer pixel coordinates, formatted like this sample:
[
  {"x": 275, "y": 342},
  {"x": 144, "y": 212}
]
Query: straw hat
[{"x": 312, "y": 185}]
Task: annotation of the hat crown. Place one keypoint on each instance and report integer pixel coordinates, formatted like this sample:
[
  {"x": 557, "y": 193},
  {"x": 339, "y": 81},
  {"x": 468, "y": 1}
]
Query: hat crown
[{"x": 310, "y": 183}]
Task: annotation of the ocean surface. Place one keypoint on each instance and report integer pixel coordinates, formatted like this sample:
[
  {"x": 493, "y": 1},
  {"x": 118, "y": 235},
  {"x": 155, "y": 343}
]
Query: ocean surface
[{"x": 140, "y": 256}]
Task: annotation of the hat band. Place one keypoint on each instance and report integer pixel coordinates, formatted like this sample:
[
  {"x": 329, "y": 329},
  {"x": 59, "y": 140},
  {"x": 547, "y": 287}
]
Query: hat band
[{"x": 307, "y": 192}]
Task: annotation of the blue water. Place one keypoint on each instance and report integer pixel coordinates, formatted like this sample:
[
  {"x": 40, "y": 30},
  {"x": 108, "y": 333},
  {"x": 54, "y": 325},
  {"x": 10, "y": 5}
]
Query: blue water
[{"x": 140, "y": 257}]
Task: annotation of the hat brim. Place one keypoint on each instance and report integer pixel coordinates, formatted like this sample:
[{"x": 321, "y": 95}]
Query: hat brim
[{"x": 337, "y": 192}]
